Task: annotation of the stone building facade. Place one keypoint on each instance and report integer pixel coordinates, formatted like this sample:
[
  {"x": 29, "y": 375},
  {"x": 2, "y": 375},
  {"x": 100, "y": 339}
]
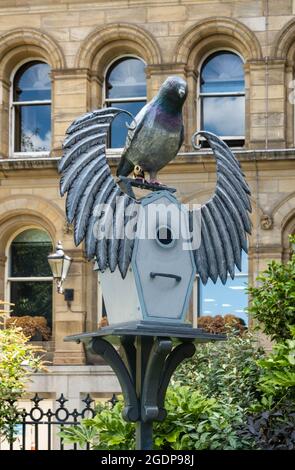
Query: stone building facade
[{"x": 79, "y": 40}]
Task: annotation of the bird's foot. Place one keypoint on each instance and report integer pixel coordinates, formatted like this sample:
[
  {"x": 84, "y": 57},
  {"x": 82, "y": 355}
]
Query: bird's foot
[{"x": 154, "y": 181}]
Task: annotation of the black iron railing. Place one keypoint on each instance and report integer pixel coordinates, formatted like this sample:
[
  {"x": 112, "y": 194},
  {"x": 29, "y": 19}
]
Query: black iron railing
[{"x": 50, "y": 422}]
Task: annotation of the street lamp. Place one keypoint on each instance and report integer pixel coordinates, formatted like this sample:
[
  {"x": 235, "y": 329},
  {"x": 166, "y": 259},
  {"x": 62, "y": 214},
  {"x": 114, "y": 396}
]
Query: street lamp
[{"x": 59, "y": 264}]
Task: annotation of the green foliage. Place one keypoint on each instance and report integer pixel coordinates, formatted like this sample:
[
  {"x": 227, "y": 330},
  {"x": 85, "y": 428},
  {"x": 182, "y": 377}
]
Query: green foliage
[
  {"x": 273, "y": 301},
  {"x": 271, "y": 422},
  {"x": 193, "y": 422},
  {"x": 225, "y": 370},
  {"x": 18, "y": 359},
  {"x": 278, "y": 377},
  {"x": 107, "y": 430}
]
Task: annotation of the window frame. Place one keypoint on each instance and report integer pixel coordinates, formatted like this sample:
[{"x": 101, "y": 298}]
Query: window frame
[
  {"x": 201, "y": 95},
  {"x": 106, "y": 102},
  {"x": 9, "y": 279},
  {"x": 12, "y": 106}
]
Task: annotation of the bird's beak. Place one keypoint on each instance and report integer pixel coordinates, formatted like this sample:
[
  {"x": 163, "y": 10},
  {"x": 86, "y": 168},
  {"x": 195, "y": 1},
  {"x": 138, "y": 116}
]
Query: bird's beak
[{"x": 181, "y": 91}]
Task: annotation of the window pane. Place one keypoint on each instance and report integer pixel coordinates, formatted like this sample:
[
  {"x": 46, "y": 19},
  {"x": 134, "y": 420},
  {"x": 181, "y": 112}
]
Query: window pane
[
  {"x": 126, "y": 79},
  {"x": 32, "y": 298},
  {"x": 32, "y": 82},
  {"x": 28, "y": 254},
  {"x": 32, "y": 128},
  {"x": 222, "y": 72},
  {"x": 119, "y": 129},
  {"x": 224, "y": 116},
  {"x": 219, "y": 299}
]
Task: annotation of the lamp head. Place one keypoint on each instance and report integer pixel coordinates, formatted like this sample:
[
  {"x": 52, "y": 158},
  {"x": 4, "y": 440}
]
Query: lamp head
[{"x": 59, "y": 264}]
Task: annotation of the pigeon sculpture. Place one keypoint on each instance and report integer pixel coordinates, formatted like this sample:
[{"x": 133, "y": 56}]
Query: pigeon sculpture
[
  {"x": 156, "y": 135},
  {"x": 95, "y": 202}
]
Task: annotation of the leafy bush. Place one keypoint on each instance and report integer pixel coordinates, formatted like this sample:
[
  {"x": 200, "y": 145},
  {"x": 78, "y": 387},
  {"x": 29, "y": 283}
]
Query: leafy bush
[
  {"x": 219, "y": 324},
  {"x": 273, "y": 301},
  {"x": 273, "y": 424},
  {"x": 278, "y": 378},
  {"x": 107, "y": 430},
  {"x": 196, "y": 422},
  {"x": 226, "y": 370},
  {"x": 193, "y": 422},
  {"x": 271, "y": 430},
  {"x": 17, "y": 361}
]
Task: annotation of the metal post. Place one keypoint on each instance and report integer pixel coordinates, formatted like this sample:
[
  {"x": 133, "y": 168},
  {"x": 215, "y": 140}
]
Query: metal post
[
  {"x": 145, "y": 368},
  {"x": 144, "y": 430},
  {"x": 144, "y": 435}
]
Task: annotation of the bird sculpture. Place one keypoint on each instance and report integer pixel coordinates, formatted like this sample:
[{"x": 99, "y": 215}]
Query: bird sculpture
[
  {"x": 156, "y": 135},
  {"x": 96, "y": 203}
]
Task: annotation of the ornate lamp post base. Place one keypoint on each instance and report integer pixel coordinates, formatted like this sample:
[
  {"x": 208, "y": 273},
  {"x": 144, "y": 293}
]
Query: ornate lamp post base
[{"x": 150, "y": 354}]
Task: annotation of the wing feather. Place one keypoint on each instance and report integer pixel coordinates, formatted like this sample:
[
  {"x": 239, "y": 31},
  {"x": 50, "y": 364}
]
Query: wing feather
[
  {"x": 225, "y": 217},
  {"x": 89, "y": 178},
  {"x": 86, "y": 203},
  {"x": 70, "y": 174},
  {"x": 216, "y": 242},
  {"x": 222, "y": 230},
  {"x": 118, "y": 230},
  {"x": 126, "y": 244},
  {"x": 232, "y": 230},
  {"x": 209, "y": 250},
  {"x": 92, "y": 193},
  {"x": 106, "y": 224},
  {"x": 94, "y": 227},
  {"x": 80, "y": 148}
]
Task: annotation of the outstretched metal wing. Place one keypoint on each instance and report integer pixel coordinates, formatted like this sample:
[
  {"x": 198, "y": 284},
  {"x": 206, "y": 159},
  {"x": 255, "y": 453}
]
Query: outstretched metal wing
[
  {"x": 224, "y": 218},
  {"x": 95, "y": 204}
]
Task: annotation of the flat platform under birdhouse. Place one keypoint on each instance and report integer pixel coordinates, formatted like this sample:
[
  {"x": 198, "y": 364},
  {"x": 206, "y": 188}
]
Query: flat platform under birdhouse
[{"x": 163, "y": 330}]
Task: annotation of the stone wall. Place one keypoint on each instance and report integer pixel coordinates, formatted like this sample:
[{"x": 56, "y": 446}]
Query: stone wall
[{"x": 80, "y": 39}]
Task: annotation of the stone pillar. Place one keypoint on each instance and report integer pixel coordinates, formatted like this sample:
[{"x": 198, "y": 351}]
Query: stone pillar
[
  {"x": 266, "y": 107},
  {"x": 95, "y": 91},
  {"x": 2, "y": 276},
  {"x": 4, "y": 118},
  {"x": 70, "y": 99},
  {"x": 71, "y": 318},
  {"x": 192, "y": 117},
  {"x": 290, "y": 104}
]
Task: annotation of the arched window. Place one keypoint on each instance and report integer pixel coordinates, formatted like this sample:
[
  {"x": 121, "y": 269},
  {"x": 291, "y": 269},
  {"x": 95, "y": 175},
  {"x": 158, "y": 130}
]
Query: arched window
[
  {"x": 31, "y": 108},
  {"x": 29, "y": 275},
  {"x": 228, "y": 299},
  {"x": 222, "y": 97},
  {"x": 125, "y": 88}
]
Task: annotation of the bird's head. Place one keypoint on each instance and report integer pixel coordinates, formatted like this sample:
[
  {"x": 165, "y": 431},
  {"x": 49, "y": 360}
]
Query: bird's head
[{"x": 173, "y": 92}]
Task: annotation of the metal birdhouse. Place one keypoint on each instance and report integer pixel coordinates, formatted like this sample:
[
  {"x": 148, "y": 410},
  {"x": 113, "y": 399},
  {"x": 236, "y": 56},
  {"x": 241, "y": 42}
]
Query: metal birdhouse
[{"x": 159, "y": 280}]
